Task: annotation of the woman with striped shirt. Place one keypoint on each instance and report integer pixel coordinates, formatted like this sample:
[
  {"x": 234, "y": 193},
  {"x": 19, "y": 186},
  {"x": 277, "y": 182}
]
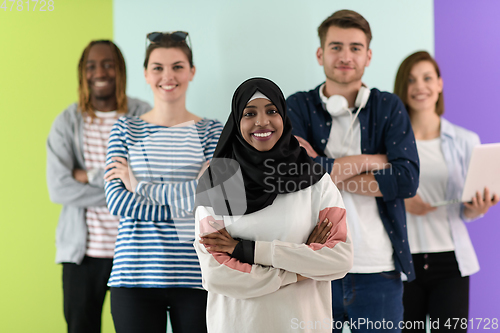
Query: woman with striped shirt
[{"x": 153, "y": 165}]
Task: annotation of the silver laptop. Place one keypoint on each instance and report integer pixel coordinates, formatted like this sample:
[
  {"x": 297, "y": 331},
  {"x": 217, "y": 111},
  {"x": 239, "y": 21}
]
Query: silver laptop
[{"x": 484, "y": 171}]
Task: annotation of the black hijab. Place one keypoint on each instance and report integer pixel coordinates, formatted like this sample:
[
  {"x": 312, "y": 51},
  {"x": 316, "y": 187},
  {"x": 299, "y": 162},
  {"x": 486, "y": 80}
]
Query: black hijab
[{"x": 241, "y": 179}]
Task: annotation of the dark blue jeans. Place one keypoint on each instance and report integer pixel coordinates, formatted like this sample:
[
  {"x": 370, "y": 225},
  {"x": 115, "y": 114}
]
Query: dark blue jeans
[{"x": 368, "y": 302}]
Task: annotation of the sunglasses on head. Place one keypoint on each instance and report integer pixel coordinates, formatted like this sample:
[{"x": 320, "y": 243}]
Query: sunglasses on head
[{"x": 178, "y": 36}]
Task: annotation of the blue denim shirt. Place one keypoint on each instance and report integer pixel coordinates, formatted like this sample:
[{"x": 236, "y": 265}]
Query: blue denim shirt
[
  {"x": 457, "y": 144},
  {"x": 385, "y": 129}
]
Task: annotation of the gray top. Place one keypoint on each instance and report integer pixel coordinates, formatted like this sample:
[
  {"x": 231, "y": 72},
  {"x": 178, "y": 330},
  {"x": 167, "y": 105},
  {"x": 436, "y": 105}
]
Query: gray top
[{"x": 64, "y": 154}]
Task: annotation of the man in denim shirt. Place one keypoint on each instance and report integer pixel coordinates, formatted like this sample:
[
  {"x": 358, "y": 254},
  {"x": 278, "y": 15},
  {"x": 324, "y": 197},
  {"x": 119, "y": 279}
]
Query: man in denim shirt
[{"x": 364, "y": 139}]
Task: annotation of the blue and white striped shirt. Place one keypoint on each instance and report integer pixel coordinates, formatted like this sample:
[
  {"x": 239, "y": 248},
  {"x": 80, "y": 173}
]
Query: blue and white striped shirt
[{"x": 154, "y": 247}]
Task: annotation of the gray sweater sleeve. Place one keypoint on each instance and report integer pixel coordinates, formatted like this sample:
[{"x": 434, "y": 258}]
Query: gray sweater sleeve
[{"x": 61, "y": 160}]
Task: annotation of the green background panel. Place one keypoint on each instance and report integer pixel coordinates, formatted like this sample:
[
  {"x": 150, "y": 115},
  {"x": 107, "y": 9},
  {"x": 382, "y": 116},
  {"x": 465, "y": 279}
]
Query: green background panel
[{"x": 39, "y": 54}]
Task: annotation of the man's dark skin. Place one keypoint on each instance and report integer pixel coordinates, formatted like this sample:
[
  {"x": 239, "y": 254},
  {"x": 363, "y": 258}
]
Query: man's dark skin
[{"x": 101, "y": 80}]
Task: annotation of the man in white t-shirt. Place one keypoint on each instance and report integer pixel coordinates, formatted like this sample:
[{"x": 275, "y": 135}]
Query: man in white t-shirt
[{"x": 364, "y": 139}]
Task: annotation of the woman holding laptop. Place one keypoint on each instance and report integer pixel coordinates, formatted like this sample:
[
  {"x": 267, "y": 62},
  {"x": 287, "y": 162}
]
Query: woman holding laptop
[{"x": 443, "y": 254}]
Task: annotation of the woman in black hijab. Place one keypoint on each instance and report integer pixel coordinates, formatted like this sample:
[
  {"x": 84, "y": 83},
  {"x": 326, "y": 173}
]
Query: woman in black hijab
[{"x": 266, "y": 261}]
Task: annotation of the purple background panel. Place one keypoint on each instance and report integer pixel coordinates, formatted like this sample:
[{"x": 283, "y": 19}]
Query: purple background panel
[{"x": 468, "y": 52}]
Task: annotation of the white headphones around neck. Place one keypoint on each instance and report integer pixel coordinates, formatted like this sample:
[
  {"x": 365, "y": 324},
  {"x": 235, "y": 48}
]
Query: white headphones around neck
[{"x": 337, "y": 105}]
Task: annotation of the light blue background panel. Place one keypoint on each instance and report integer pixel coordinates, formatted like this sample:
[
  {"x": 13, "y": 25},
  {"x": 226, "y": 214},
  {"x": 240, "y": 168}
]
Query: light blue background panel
[{"x": 236, "y": 40}]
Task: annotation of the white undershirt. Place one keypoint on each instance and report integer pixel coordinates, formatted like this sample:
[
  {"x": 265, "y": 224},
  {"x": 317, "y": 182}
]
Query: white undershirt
[
  {"x": 372, "y": 247},
  {"x": 431, "y": 232}
]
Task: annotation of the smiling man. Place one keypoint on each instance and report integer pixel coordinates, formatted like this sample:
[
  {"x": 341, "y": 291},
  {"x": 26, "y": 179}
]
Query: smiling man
[
  {"x": 364, "y": 139},
  {"x": 76, "y": 153}
]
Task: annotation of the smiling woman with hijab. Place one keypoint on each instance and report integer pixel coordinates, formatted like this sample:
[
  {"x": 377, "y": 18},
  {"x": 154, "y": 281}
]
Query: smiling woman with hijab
[{"x": 272, "y": 223}]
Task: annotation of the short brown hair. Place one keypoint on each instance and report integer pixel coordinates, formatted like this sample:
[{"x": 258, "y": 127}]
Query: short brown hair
[
  {"x": 167, "y": 42},
  {"x": 403, "y": 75},
  {"x": 345, "y": 19},
  {"x": 84, "y": 104}
]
